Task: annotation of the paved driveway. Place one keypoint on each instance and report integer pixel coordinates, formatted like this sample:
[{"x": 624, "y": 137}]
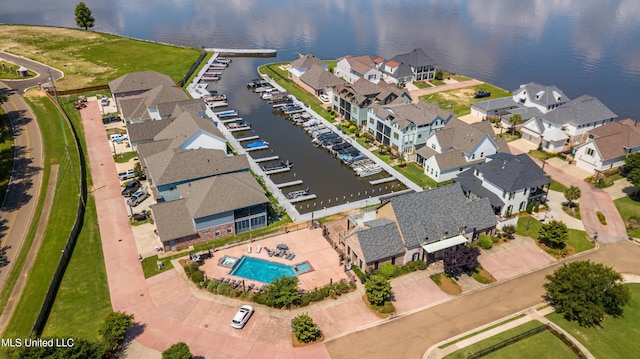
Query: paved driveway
[{"x": 514, "y": 258}]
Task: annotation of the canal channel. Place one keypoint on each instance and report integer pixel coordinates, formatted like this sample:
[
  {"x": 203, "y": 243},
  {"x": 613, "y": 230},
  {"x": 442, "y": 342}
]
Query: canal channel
[{"x": 332, "y": 182}]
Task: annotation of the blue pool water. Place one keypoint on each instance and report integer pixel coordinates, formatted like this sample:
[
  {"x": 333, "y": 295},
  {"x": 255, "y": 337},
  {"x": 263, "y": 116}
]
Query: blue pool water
[
  {"x": 261, "y": 270},
  {"x": 303, "y": 267}
]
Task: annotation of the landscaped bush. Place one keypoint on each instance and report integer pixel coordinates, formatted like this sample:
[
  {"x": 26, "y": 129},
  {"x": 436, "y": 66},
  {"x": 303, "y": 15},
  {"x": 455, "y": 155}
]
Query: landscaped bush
[
  {"x": 436, "y": 278},
  {"x": 386, "y": 308},
  {"x": 197, "y": 276},
  {"x": 388, "y": 270},
  {"x": 601, "y": 218},
  {"x": 358, "y": 272},
  {"x": 485, "y": 242},
  {"x": 305, "y": 329},
  {"x": 212, "y": 285},
  {"x": 495, "y": 240}
]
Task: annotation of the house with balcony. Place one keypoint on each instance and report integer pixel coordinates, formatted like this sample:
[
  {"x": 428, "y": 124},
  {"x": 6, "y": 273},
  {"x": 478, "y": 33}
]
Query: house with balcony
[
  {"x": 511, "y": 183},
  {"x": 528, "y": 100},
  {"x": 137, "y": 83},
  {"x": 457, "y": 147},
  {"x": 419, "y": 226},
  {"x": 318, "y": 81},
  {"x": 353, "y": 68},
  {"x": 607, "y": 146},
  {"x": 352, "y": 101},
  {"x": 407, "y": 68},
  {"x": 404, "y": 126}
]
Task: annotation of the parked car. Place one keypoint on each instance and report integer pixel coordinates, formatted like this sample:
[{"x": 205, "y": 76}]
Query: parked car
[
  {"x": 105, "y": 101},
  {"x": 130, "y": 188},
  {"x": 128, "y": 174},
  {"x": 242, "y": 316},
  {"x": 118, "y": 137},
  {"x": 138, "y": 197},
  {"x": 110, "y": 119},
  {"x": 324, "y": 98}
]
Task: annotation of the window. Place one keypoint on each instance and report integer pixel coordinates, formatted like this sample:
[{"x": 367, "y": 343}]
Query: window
[
  {"x": 371, "y": 121},
  {"x": 522, "y": 205},
  {"x": 504, "y": 194},
  {"x": 393, "y": 261},
  {"x": 433, "y": 146},
  {"x": 415, "y": 256},
  {"x": 419, "y": 135},
  {"x": 525, "y": 191},
  {"x": 395, "y": 136},
  {"x": 473, "y": 156},
  {"x": 228, "y": 229},
  {"x": 217, "y": 232},
  {"x": 590, "y": 152}
]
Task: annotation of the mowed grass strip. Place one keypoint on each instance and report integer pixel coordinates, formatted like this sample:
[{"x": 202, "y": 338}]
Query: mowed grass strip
[
  {"x": 6, "y": 153},
  {"x": 83, "y": 297},
  {"x": 90, "y": 58},
  {"x": 578, "y": 239},
  {"x": 627, "y": 207},
  {"x": 541, "y": 345},
  {"x": 616, "y": 338},
  {"x": 61, "y": 218}
]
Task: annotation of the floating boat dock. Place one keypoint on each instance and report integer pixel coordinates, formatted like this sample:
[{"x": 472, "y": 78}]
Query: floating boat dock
[
  {"x": 265, "y": 159},
  {"x": 277, "y": 170},
  {"x": 231, "y": 120},
  {"x": 249, "y": 149},
  {"x": 240, "y": 128},
  {"x": 244, "y": 52},
  {"x": 289, "y": 184},
  {"x": 382, "y": 180},
  {"x": 226, "y": 114},
  {"x": 248, "y": 138},
  {"x": 303, "y": 198}
]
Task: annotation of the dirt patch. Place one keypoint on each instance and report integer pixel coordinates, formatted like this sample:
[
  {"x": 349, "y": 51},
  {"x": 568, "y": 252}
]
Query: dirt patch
[
  {"x": 467, "y": 91},
  {"x": 567, "y": 251},
  {"x": 487, "y": 277},
  {"x": 297, "y": 344},
  {"x": 447, "y": 284}
]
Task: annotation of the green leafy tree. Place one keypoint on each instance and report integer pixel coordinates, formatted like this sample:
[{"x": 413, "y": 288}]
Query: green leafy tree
[
  {"x": 572, "y": 194},
  {"x": 84, "y": 18},
  {"x": 509, "y": 231},
  {"x": 439, "y": 75},
  {"x": 305, "y": 329},
  {"x": 634, "y": 178},
  {"x": 515, "y": 120},
  {"x": 377, "y": 289},
  {"x": 81, "y": 349},
  {"x": 484, "y": 241},
  {"x": 282, "y": 292},
  {"x": 114, "y": 328},
  {"x": 585, "y": 292},
  {"x": 555, "y": 233},
  {"x": 632, "y": 161},
  {"x": 3, "y": 97},
  {"x": 179, "y": 350}
]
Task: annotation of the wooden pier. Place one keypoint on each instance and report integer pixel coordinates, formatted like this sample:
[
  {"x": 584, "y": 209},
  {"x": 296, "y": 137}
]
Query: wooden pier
[
  {"x": 382, "y": 180},
  {"x": 289, "y": 184},
  {"x": 256, "y": 148},
  {"x": 248, "y": 138},
  {"x": 244, "y": 52},
  {"x": 279, "y": 170},
  {"x": 238, "y": 129},
  {"x": 231, "y": 120},
  {"x": 303, "y": 198},
  {"x": 265, "y": 159}
]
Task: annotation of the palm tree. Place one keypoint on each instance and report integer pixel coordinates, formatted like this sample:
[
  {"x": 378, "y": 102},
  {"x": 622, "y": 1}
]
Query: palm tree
[
  {"x": 571, "y": 194},
  {"x": 515, "y": 120}
]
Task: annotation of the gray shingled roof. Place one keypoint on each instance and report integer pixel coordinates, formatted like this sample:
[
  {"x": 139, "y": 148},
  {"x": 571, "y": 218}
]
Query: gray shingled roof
[
  {"x": 172, "y": 220},
  {"x": 406, "y": 114},
  {"x": 146, "y": 131},
  {"x": 139, "y": 81},
  {"x": 318, "y": 78},
  {"x": 380, "y": 242},
  {"x": 221, "y": 194},
  {"x": 470, "y": 182},
  {"x": 185, "y": 126},
  {"x": 583, "y": 110},
  {"x": 540, "y": 94},
  {"x": 496, "y": 104},
  {"x": 174, "y": 108},
  {"x": 415, "y": 58},
  {"x": 430, "y": 216},
  {"x": 512, "y": 172},
  {"x": 363, "y": 93}
]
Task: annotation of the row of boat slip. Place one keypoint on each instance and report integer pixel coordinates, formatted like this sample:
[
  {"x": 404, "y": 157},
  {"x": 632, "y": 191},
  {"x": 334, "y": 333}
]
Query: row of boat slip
[
  {"x": 258, "y": 85},
  {"x": 215, "y": 69},
  {"x": 214, "y": 100},
  {"x": 229, "y": 114}
]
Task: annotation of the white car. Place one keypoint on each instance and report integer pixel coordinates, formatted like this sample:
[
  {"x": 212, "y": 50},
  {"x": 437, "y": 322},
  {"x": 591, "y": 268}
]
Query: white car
[
  {"x": 105, "y": 101},
  {"x": 324, "y": 98},
  {"x": 138, "y": 197},
  {"x": 242, "y": 316}
]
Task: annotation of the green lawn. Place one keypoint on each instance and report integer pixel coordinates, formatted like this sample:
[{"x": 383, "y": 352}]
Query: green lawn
[
  {"x": 6, "y": 152},
  {"x": 91, "y": 58},
  {"x": 628, "y": 208},
  {"x": 125, "y": 156},
  {"x": 557, "y": 186},
  {"x": 577, "y": 239},
  {"x": 416, "y": 175},
  {"x": 465, "y": 352},
  {"x": 8, "y": 72},
  {"x": 481, "y": 331},
  {"x": 540, "y": 346},
  {"x": 460, "y": 100},
  {"x": 422, "y": 84},
  {"x": 60, "y": 220},
  {"x": 617, "y": 338}
]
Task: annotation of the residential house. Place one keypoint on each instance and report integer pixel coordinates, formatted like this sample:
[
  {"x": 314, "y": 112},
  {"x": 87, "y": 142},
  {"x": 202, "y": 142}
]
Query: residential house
[
  {"x": 529, "y": 96},
  {"x": 457, "y": 147},
  {"x": 419, "y": 226},
  {"x": 607, "y": 146},
  {"x": 302, "y": 64},
  {"x": 567, "y": 124},
  {"x": 137, "y": 83},
  {"x": 407, "y": 68},
  {"x": 353, "y": 68},
  {"x": 403, "y": 126},
  {"x": 352, "y": 101},
  {"x": 318, "y": 80},
  {"x": 144, "y": 107},
  {"x": 210, "y": 208},
  {"x": 511, "y": 183}
]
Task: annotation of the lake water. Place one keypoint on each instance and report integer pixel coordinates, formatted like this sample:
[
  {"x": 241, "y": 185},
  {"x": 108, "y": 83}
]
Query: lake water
[{"x": 582, "y": 46}]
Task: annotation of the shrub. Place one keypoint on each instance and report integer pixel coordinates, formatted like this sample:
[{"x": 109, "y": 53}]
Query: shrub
[
  {"x": 377, "y": 289},
  {"x": 495, "y": 240},
  {"x": 436, "y": 278},
  {"x": 197, "y": 276},
  {"x": 601, "y": 218},
  {"x": 485, "y": 242},
  {"x": 358, "y": 272},
  {"x": 305, "y": 329},
  {"x": 388, "y": 270},
  {"x": 386, "y": 308},
  {"x": 177, "y": 351},
  {"x": 212, "y": 286}
]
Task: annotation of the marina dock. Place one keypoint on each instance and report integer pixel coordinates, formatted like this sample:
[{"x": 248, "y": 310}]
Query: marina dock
[
  {"x": 302, "y": 198},
  {"x": 289, "y": 184},
  {"x": 231, "y": 120},
  {"x": 382, "y": 180},
  {"x": 240, "y": 128},
  {"x": 279, "y": 170},
  {"x": 265, "y": 159},
  {"x": 256, "y": 148},
  {"x": 244, "y": 52},
  {"x": 248, "y": 138}
]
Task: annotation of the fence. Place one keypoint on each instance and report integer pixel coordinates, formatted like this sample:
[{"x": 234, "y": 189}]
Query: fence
[
  {"x": 47, "y": 304},
  {"x": 505, "y": 343},
  {"x": 193, "y": 68},
  {"x": 50, "y": 90}
]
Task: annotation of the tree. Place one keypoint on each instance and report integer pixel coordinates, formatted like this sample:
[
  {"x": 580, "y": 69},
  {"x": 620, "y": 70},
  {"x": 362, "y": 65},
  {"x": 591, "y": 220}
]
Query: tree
[
  {"x": 571, "y": 194},
  {"x": 555, "y": 233},
  {"x": 584, "y": 291},
  {"x": 81, "y": 349},
  {"x": 439, "y": 75},
  {"x": 305, "y": 329},
  {"x": 632, "y": 161},
  {"x": 515, "y": 120},
  {"x": 634, "y": 177},
  {"x": 83, "y": 16},
  {"x": 282, "y": 292},
  {"x": 460, "y": 260},
  {"x": 179, "y": 350},
  {"x": 377, "y": 289},
  {"x": 3, "y": 97},
  {"x": 114, "y": 328}
]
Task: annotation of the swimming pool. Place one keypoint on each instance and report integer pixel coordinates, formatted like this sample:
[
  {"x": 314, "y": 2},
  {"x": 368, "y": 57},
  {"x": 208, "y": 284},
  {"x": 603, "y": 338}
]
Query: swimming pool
[
  {"x": 261, "y": 270},
  {"x": 303, "y": 267},
  {"x": 228, "y": 261}
]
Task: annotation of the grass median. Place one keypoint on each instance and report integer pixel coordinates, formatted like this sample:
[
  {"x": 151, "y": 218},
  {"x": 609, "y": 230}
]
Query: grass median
[{"x": 6, "y": 153}]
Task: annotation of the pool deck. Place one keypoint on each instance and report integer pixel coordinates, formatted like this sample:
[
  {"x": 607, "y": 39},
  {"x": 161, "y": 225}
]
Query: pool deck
[{"x": 308, "y": 245}]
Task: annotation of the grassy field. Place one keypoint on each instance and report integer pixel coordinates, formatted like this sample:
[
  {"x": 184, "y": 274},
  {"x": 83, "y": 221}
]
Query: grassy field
[
  {"x": 578, "y": 240},
  {"x": 539, "y": 346},
  {"x": 616, "y": 338},
  {"x": 460, "y": 100},
  {"x": 628, "y": 208},
  {"x": 83, "y": 298},
  {"x": 91, "y": 58},
  {"x": 6, "y": 152},
  {"x": 416, "y": 175},
  {"x": 60, "y": 220},
  {"x": 8, "y": 71}
]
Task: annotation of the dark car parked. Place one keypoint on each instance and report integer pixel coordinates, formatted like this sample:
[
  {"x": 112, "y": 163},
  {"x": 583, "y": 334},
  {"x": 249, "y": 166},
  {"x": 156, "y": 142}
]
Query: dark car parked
[{"x": 131, "y": 188}]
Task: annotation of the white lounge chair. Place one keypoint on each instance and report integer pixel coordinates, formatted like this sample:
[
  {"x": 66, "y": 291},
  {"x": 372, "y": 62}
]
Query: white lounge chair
[
  {"x": 258, "y": 248},
  {"x": 249, "y": 249}
]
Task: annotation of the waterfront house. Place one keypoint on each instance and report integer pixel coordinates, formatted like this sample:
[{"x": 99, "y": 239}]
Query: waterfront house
[
  {"x": 352, "y": 101},
  {"x": 539, "y": 99},
  {"x": 607, "y": 146},
  {"x": 419, "y": 226},
  {"x": 457, "y": 147},
  {"x": 144, "y": 107},
  {"x": 211, "y": 208},
  {"x": 407, "y": 68},
  {"x": 318, "y": 80},
  {"x": 511, "y": 183},
  {"x": 302, "y": 64},
  {"x": 136, "y": 83},
  {"x": 403, "y": 126},
  {"x": 567, "y": 124},
  {"x": 353, "y": 68}
]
